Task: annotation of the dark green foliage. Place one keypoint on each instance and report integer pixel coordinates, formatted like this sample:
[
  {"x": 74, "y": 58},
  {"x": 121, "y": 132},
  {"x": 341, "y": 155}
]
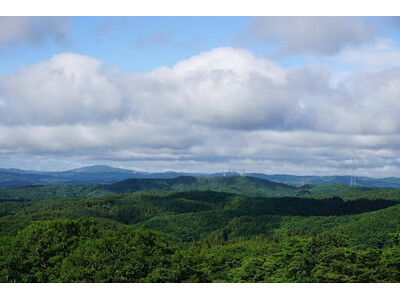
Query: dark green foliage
[
  {"x": 324, "y": 258},
  {"x": 118, "y": 233},
  {"x": 36, "y": 253},
  {"x": 390, "y": 264},
  {"x": 49, "y": 192},
  {"x": 79, "y": 251},
  {"x": 242, "y": 185},
  {"x": 349, "y": 193}
]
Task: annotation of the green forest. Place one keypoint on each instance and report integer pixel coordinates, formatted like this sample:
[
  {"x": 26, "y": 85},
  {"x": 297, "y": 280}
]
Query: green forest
[{"x": 189, "y": 229}]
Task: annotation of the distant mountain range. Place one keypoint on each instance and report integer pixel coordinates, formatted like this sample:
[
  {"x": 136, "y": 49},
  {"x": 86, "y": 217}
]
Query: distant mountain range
[
  {"x": 234, "y": 185},
  {"x": 100, "y": 174}
]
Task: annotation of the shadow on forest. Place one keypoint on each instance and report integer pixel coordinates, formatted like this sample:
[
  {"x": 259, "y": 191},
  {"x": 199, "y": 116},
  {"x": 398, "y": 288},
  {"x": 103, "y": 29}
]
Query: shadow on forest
[{"x": 309, "y": 207}]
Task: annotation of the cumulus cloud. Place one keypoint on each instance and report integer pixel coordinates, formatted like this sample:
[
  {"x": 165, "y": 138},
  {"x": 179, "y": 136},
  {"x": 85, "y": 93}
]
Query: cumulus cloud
[
  {"x": 315, "y": 35},
  {"x": 232, "y": 89},
  {"x": 32, "y": 29},
  {"x": 221, "y": 107},
  {"x": 212, "y": 88},
  {"x": 68, "y": 88},
  {"x": 378, "y": 55}
]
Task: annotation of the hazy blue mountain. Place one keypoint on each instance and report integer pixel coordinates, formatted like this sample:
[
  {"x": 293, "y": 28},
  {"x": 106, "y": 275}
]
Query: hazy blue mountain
[
  {"x": 100, "y": 174},
  {"x": 239, "y": 185},
  {"x": 100, "y": 169},
  {"x": 90, "y": 174},
  {"x": 388, "y": 182}
]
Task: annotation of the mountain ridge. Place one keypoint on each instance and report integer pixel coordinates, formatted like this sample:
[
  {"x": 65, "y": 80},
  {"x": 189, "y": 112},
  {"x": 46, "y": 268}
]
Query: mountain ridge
[{"x": 103, "y": 174}]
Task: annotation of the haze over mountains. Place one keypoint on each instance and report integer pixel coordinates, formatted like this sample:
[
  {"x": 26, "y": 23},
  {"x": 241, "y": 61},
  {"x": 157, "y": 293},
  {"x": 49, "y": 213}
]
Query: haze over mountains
[{"x": 101, "y": 174}]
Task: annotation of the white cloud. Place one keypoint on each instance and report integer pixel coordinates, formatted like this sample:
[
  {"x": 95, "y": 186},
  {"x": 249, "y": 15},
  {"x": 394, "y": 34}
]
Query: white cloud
[
  {"x": 223, "y": 88},
  {"x": 219, "y": 87},
  {"x": 314, "y": 35},
  {"x": 379, "y": 55},
  {"x": 232, "y": 89},
  {"x": 66, "y": 89},
  {"x": 239, "y": 62},
  {"x": 32, "y": 29},
  {"x": 219, "y": 108}
]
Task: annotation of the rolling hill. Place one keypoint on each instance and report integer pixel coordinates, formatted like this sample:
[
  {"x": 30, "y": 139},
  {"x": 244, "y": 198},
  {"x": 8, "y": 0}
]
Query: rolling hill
[
  {"x": 190, "y": 229},
  {"x": 242, "y": 185},
  {"x": 190, "y": 216}
]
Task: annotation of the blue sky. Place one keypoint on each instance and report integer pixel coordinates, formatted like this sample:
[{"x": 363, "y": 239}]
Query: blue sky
[
  {"x": 141, "y": 43},
  {"x": 299, "y": 95}
]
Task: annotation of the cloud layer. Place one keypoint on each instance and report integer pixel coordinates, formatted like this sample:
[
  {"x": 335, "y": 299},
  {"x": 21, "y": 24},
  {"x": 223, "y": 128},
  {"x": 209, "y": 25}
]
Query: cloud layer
[
  {"x": 315, "y": 35},
  {"x": 223, "y": 107},
  {"x": 32, "y": 29}
]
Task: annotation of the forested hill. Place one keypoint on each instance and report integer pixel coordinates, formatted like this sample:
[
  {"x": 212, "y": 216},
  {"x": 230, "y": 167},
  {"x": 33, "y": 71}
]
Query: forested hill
[
  {"x": 249, "y": 186},
  {"x": 199, "y": 237},
  {"x": 190, "y": 229},
  {"x": 242, "y": 185}
]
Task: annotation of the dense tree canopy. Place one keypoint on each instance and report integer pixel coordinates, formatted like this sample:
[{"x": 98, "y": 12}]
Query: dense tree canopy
[{"x": 197, "y": 236}]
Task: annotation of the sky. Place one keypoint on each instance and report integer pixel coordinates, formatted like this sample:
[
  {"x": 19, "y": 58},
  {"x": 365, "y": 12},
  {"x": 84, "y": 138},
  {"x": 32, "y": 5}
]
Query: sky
[{"x": 293, "y": 95}]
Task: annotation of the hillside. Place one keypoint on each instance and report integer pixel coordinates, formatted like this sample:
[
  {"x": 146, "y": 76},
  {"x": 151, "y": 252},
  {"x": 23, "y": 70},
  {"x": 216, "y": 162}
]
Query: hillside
[
  {"x": 242, "y": 185},
  {"x": 196, "y": 236},
  {"x": 189, "y": 215},
  {"x": 249, "y": 186},
  {"x": 235, "y": 184}
]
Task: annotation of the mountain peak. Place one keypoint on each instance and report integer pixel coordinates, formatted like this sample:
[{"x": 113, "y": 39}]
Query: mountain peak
[{"x": 101, "y": 169}]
